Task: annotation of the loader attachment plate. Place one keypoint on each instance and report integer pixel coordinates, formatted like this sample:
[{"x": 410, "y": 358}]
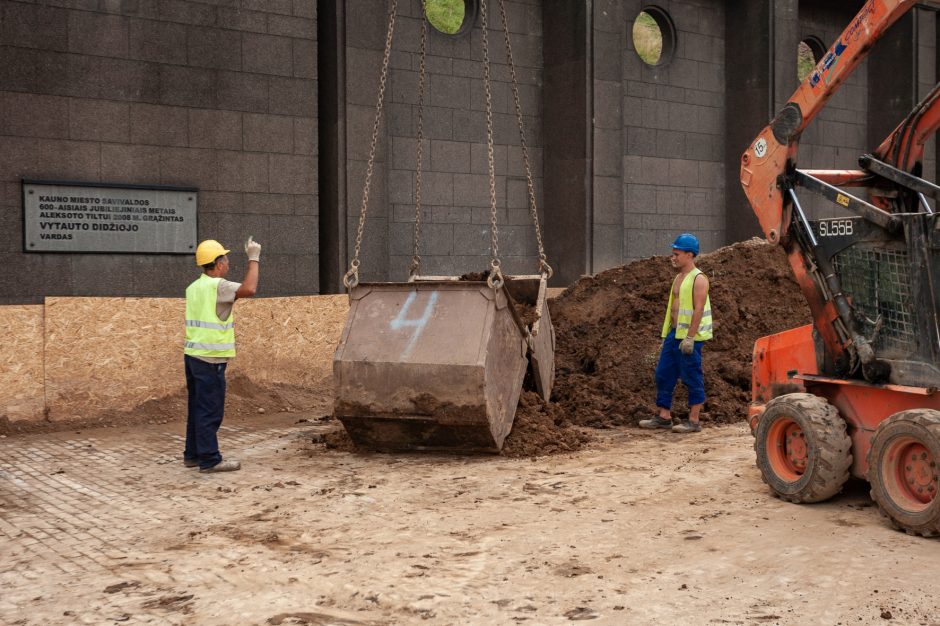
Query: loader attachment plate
[{"x": 434, "y": 364}]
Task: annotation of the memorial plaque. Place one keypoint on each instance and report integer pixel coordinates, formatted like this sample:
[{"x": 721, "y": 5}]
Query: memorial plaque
[{"x": 78, "y": 217}]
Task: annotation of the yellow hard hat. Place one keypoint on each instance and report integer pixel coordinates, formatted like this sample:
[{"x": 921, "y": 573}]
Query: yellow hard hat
[{"x": 208, "y": 251}]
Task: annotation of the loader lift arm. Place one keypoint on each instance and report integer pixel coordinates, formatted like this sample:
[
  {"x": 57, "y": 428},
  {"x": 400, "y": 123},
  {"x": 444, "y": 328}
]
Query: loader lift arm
[{"x": 769, "y": 177}]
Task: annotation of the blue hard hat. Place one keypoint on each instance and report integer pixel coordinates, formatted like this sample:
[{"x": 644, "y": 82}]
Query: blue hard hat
[{"x": 686, "y": 242}]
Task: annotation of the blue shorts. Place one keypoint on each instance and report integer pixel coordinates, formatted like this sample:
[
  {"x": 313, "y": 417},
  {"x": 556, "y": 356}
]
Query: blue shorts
[{"x": 674, "y": 365}]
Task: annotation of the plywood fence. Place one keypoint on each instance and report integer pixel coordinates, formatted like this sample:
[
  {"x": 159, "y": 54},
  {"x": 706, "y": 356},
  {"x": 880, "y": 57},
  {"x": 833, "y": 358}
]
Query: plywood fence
[{"x": 78, "y": 358}]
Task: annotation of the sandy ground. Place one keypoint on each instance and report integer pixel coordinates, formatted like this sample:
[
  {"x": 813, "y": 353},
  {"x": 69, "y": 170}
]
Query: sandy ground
[{"x": 107, "y": 526}]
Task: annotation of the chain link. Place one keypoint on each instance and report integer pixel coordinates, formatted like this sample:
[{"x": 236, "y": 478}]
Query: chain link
[
  {"x": 351, "y": 278},
  {"x": 544, "y": 267},
  {"x": 496, "y": 276},
  {"x": 416, "y": 258}
]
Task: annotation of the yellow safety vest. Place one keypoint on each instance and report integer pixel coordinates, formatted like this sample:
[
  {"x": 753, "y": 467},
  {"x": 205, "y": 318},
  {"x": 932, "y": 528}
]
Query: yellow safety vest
[
  {"x": 686, "y": 308},
  {"x": 206, "y": 334}
]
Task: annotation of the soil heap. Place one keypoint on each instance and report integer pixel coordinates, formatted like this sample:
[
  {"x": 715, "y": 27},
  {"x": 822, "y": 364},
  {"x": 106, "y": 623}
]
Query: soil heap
[{"x": 608, "y": 328}]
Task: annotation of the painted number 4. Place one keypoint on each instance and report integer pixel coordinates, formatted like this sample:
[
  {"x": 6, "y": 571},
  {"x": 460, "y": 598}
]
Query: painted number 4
[{"x": 760, "y": 148}]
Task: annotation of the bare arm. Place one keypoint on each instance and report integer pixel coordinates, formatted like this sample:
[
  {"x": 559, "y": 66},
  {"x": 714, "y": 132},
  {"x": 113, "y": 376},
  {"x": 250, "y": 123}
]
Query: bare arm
[
  {"x": 699, "y": 294},
  {"x": 250, "y": 283}
]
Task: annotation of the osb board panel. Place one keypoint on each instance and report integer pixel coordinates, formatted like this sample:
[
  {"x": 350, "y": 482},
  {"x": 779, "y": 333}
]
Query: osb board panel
[
  {"x": 21, "y": 362},
  {"x": 289, "y": 340},
  {"x": 111, "y": 354}
]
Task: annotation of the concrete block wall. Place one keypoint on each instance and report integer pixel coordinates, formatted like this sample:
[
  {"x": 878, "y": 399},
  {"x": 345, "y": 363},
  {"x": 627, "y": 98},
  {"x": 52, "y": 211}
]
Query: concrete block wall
[
  {"x": 455, "y": 233},
  {"x": 217, "y": 95},
  {"x": 673, "y": 133},
  {"x": 611, "y": 32}
]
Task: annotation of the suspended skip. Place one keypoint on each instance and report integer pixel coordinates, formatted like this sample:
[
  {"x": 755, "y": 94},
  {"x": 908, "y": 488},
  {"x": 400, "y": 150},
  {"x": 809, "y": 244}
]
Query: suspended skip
[{"x": 438, "y": 362}]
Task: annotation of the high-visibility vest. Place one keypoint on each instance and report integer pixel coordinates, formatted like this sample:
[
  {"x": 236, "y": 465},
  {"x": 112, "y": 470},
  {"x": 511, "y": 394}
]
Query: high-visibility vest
[
  {"x": 686, "y": 308},
  {"x": 206, "y": 334}
]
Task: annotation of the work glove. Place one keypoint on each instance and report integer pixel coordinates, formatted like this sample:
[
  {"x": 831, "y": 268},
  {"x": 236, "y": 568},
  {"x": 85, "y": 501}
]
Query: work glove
[
  {"x": 687, "y": 345},
  {"x": 253, "y": 249}
]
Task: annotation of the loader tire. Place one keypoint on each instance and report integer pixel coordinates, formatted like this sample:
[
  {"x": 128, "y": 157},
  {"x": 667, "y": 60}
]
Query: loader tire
[
  {"x": 903, "y": 472},
  {"x": 803, "y": 450}
]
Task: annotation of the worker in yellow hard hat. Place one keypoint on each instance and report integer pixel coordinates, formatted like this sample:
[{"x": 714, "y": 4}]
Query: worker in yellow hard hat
[{"x": 210, "y": 343}]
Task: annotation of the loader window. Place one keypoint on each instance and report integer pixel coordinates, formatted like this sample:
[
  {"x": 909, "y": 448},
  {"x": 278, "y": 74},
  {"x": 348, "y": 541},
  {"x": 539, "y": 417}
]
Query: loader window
[
  {"x": 809, "y": 53},
  {"x": 654, "y": 36},
  {"x": 451, "y": 17}
]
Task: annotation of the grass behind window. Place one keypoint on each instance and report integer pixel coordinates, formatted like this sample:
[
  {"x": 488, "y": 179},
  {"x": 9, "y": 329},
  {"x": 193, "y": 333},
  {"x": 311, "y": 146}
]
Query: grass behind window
[{"x": 446, "y": 15}]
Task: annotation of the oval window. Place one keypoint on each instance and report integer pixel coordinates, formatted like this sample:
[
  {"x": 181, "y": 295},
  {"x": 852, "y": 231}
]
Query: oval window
[
  {"x": 451, "y": 17},
  {"x": 654, "y": 36},
  {"x": 808, "y": 54}
]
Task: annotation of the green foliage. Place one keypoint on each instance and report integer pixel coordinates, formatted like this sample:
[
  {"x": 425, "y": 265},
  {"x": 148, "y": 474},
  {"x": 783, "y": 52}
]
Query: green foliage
[
  {"x": 647, "y": 38},
  {"x": 804, "y": 61},
  {"x": 445, "y": 15}
]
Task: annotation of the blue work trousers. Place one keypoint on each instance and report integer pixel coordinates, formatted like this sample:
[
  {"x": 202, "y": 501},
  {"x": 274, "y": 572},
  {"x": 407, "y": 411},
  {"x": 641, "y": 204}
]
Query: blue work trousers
[
  {"x": 674, "y": 365},
  {"x": 206, "y": 385}
]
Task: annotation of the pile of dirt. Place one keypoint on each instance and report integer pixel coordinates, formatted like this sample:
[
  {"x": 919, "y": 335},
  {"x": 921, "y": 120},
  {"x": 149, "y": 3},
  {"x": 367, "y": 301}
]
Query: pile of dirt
[
  {"x": 608, "y": 334},
  {"x": 541, "y": 428}
]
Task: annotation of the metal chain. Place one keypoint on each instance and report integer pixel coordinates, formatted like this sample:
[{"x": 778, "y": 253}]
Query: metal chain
[
  {"x": 415, "y": 257},
  {"x": 495, "y": 279},
  {"x": 544, "y": 267},
  {"x": 351, "y": 278}
]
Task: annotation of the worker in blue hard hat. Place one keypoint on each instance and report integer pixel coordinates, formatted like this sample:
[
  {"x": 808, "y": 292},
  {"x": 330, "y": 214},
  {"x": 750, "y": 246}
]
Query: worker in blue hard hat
[{"x": 686, "y": 327}]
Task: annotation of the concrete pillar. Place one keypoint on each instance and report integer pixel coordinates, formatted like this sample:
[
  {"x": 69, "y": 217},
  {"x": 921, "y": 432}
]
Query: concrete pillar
[
  {"x": 567, "y": 104},
  {"x": 761, "y": 39},
  {"x": 332, "y": 175}
]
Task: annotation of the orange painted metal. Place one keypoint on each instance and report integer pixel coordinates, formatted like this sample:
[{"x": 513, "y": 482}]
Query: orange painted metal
[
  {"x": 908, "y": 473},
  {"x": 841, "y": 178},
  {"x": 864, "y": 406},
  {"x": 776, "y": 358},
  {"x": 786, "y": 449},
  {"x": 904, "y": 147},
  {"x": 786, "y": 363},
  {"x": 772, "y": 154}
]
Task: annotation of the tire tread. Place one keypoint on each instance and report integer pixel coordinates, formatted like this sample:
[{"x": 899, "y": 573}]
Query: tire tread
[
  {"x": 929, "y": 419},
  {"x": 831, "y": 468}
]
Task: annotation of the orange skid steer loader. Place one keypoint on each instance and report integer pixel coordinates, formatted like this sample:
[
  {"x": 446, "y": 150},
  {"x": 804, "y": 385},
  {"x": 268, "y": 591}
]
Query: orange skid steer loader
[{"x": 855, "y": 392}]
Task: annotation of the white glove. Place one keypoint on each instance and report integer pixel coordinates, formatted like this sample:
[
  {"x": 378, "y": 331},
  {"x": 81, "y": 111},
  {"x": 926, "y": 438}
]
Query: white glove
[
  {"x": 253, "y": 249},
  {"x": 687, "y": 345}
]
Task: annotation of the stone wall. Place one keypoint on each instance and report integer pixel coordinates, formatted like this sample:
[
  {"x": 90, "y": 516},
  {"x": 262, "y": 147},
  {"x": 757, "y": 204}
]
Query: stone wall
[
  {"x": 219, "y": 96},
  {"x": 673, "y": 130},
  {"x": 455, "y": 232},
  {"x": 225, "y": 97}
]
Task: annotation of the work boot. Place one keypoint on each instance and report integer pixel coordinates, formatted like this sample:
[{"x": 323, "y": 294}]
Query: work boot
[
  {"x": 190, "y": 463},
  {"x": 687, "y": 426},
  {"x": 225, "y": 465},
  {"x": 656, "y": 422}
]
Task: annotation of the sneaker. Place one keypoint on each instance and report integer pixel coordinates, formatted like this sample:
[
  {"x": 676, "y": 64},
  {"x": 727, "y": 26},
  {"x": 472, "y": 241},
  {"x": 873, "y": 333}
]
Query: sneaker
[
  {"x": 226, "y": 465},
  {"x": 656, "y": 422},
  {"x": 190, "y": 463},
  {"x": 687, "y": 426}
]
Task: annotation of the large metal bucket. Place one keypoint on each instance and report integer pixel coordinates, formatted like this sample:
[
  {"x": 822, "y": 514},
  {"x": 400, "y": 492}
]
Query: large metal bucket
[{"x": 438, "y": 364}]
